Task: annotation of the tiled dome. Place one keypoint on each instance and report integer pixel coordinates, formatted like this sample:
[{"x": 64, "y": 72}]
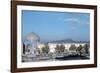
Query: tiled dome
[{"x": 32, "y": 37}]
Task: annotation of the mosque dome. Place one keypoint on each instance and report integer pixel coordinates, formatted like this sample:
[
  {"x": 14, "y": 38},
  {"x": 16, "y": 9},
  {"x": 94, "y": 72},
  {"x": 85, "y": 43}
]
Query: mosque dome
[{"x": 32, "y": 37}]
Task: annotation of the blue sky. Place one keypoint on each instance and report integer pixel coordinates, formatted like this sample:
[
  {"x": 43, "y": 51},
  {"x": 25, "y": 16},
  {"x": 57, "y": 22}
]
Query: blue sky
[{"x": 50, "y": 25}]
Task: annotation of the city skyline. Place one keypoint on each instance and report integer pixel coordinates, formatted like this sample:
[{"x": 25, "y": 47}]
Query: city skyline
[{"x": 50, "y": 25}]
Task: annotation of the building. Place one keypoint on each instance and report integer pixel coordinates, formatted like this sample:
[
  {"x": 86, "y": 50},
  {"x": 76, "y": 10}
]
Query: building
[
  {"x": 30, "y": 44},
  {"x": 33, "y": 46}
]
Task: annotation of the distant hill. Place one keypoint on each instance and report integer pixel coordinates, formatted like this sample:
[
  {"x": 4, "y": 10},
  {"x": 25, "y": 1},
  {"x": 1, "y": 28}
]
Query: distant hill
[{"x": 67, "y": 41}]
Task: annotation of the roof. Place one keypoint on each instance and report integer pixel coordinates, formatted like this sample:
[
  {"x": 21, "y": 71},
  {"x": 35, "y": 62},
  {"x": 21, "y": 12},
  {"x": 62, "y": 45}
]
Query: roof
[{"x": 32, "y": 37}]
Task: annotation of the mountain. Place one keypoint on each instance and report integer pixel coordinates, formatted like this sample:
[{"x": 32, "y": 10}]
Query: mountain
[{"x": 67, "y": 41}]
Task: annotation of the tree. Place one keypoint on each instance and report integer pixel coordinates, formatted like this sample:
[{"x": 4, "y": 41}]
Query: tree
[
  {"x": 72, "y": 47},
  {"x": 60, "y": 48},
  {"x": 45, "y": 49},
  {"x": 79, "y": 49},
  {"x": 86, "y": 47},
  {"x": 57, "y": 49}
]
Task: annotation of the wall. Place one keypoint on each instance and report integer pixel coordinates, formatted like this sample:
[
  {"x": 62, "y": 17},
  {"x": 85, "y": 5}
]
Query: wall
[{"x": 5, "y": 35}]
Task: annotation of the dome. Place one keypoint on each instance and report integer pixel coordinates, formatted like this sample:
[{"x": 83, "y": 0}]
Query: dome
[{"x": 32, "y": 37}]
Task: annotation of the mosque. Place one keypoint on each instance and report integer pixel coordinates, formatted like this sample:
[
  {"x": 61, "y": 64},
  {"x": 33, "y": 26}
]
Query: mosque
[{"x": 32, "y": 46}]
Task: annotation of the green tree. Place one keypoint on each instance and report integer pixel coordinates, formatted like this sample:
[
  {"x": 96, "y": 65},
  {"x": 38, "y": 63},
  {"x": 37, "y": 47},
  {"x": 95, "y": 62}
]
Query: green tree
[
  {"x": 60, "y": 48},
  {"x": 57, "y": 49},
  {"x": 86, "y": 47},
  {"x": 72, "y": 47},
  {"x": 79, "y": 49},
  {"x": 45, "y": 49}
]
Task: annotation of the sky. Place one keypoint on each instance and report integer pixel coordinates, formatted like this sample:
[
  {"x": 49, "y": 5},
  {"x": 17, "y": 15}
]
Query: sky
[{"x": 50, "y": 25}]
